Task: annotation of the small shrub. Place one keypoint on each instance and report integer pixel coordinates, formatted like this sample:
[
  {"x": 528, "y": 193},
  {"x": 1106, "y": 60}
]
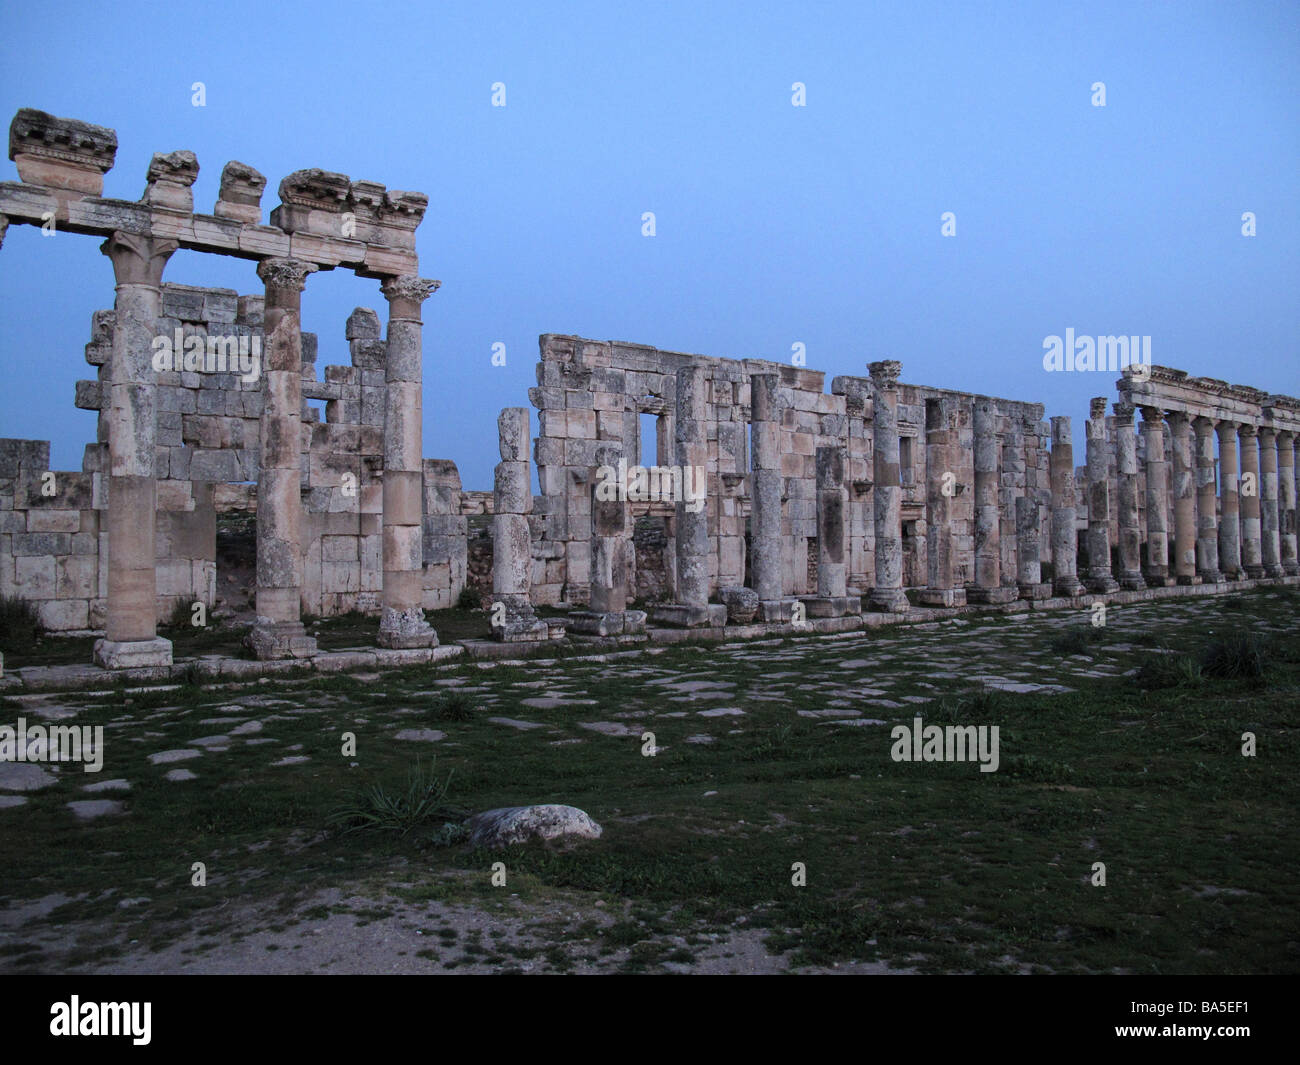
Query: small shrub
[
  {"x": 1077, "y": 640},
  {"x": 452, "y": 706},
  {"x": 1237, "y": 656},
  {"x": 449, "y": 834},
  {"x": 1170, "y": 671},
  {"x": 468, "y": 599},
  {"x": 20, "y": 624},
  {"x": 391, "y": 809}
]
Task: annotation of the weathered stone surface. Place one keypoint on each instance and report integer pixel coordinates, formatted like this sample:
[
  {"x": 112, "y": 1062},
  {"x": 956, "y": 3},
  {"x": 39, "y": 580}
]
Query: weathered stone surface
[{"x": 519, "y": 824}]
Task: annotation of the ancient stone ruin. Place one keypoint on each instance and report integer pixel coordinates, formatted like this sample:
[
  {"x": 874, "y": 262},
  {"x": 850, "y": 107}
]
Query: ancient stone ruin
[{"x": 770, "y": 504}]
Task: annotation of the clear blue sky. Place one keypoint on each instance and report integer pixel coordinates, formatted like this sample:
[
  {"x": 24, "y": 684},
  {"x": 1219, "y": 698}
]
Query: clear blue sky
[{"x": 776, "y": 224}]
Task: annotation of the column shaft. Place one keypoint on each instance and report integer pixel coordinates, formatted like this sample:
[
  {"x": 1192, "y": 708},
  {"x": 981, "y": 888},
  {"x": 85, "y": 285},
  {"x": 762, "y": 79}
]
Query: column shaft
[
  {"x": 1184, "y": 499},
  {"x": 402, "y": 623},
  {"x": 1252, "y": 559},
  {"x": 1207, "y": 523},
  {"x": 278, "y": 632},
  {"x": 1130, "y": 524},
  {"x": 1157, "y": 568},
  {"x": 1270, "y": 529},
  {"x": 1229, "y": 503},
  {"x": 887, "y": 594},
  {"x": 1098, "y": 459},
  {"x": 131, "y": 637},
  {"x": 1064, "y": 538}
]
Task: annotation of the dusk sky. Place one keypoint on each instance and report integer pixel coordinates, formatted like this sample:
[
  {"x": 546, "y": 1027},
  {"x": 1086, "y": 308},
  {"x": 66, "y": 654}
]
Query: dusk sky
[{"x": 776, "y": 224}]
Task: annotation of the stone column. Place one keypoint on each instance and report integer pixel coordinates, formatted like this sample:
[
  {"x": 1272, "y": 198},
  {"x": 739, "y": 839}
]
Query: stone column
[
  {"x": 1270, "y": 528},
  {"x": 940, "y": 489},
  {"x": 887, "y": 492},
  {"x": 692, "y": 605},
  {"x": 1099, "y": 577},
  {"x": 1029, "y": 564},
  {"x": 832, "y": 599},
  {"x": 765, "y": 506},
  {"x": 1287, "y": 508},
  {"x": 402, "y": 623},
  {"x": 1130, "y": 525},
  {"x": 988, "y": 520},
  {"x": 1180, "y": 427},
  {"x": 131, "y": 637},
  {"x": 607, "y": 614},
  {"x": 1064, "y": 538},
  {"x": 512, "y": 617},
  {"x": 278, "y": 631},
  {"x": 1252, "y": 560},
  {"x": 1153, "y": 430},
  {"x": 1229, "y": 501},
  {"x": 1207, "y": 523}
]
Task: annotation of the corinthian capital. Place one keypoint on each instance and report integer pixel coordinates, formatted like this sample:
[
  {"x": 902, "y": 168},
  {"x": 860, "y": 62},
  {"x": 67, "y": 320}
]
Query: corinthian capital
[
  {"x": 286, "y": 274},
  {"x": 885, "y": 373},
  {"x": 410, "y": 288}
]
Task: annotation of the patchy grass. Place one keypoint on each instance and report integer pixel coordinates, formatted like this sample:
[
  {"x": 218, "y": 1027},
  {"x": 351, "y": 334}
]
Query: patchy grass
[{"x": 933, "y": 866}]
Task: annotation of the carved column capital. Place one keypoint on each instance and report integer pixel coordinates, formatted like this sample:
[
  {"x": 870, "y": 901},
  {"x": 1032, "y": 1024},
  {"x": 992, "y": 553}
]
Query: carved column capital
[
  {"x": 1124, "y": 412},
  {"x": 285, "y": 275},
  {"x": 885, "y": 373},
  {"x": 137, "y": 259},
  {"x": 409, "y": 288}
]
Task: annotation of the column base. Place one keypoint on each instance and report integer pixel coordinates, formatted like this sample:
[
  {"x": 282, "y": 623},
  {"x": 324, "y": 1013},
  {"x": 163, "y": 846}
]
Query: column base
[
  {"x": 404, "y": 629},
  {"x": 992, "y": 596},
  {"x": 280, "y": 639},
  {"x": 1292, "y": 569},
  {"x": 1101, "y": 583},
  {"x": 888, "y": 601},
  {"x": 1157, "y": 580},
  {"x": 942, "y": 596},
  {"x": 1254, "y": 573},
  {"x": 686, "y": 616},
  {"x": 131, "y": 654},
  {"x": 1034, "y": 591},
  {"x": 1274, "y": 571},
  {"x": 1068, "y": 587},
  {"x": 620, "y": 623},
  {"x": 1212, "y": 577},
  {"x": 831, "y": 606},
  {"x": 1131, "y": 581},
  {"x": 777, "y": 611},
  {"x": 520, "y": 623},
  {"x": 741, "y": 604}
]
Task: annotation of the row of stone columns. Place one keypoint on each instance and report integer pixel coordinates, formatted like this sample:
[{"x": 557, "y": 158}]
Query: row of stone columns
[
  {"x": 1250, "y": 533},
  {"x": 131, "y": 637}
]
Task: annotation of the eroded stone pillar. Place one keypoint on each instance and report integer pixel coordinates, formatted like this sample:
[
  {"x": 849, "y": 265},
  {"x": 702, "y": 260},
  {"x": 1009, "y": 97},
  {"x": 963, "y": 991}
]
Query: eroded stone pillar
[
  {"x": 611, "y": 548},
  {"x": 940, "y": 489},
  {"x": 402, "y": 622},
  {"x": 887, "y": 593},
  {"x": 512, "y": 617},
  {"x": 988, "y": 520},
  {"x": 692, "y": 605},
  {"x": 278, "y": 631},
  {"x": 1099, "y": 578},
  {"x": 1029, "y": 558},
  {"x": 131, "y": 637},
  {"x": 1153, "y": 432},
  {"x": 1270, "y": 528},
  {"x": 1180, "y": 427},
  {"x": 1286, "y": 472},
  {"x": 1207, "y": 523},
  {"x": 1229, "y": 503},
  {"x": 765, "y": 562},
  {"x": 1065, "y": 551},
  {"x": 1130, "y": 524},
  {"x": 1252, "y": 559},
  {"x": 832, "y": 599}
]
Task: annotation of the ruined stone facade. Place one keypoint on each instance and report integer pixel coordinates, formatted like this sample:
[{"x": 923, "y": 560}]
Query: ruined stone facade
[{"x": 778, "y": 500}]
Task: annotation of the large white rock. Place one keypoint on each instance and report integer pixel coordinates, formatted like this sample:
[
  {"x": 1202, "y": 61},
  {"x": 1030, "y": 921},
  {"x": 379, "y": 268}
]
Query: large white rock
[{"x": 517, "y": 824}]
